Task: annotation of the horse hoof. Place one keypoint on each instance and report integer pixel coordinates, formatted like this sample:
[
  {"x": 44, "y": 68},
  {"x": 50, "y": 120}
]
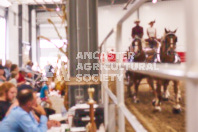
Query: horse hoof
[
  {"x": 130, "y": 95},
  {"x": 165, "y": 99},
  {"x": 157, "y": 109},
  {"x": 154, "y": 102},
  {"x": 137, "y": 101},
  {"x": 176, "y": 111},
  {"x": 180, "y": 99}
]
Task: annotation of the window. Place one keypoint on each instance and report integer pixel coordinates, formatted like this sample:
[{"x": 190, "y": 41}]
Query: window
[
  {"x": 49, "y": 51},
  {"x": 53, "y": 44},
  {"x": 79, "y": 96},
  {"x": 2, "y": 39}
]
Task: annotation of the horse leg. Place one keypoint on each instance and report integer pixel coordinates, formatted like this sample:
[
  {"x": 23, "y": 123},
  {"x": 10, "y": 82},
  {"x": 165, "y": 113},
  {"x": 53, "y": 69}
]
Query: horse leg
[
  {"x": 136, "y": 85},
  {"x": 166, "y": 93},
  {"x": 129, "y": 88},
  {"x": 151, "y": 84},
  {"x": 130, "y": 83},
  {"x": 157, "y": 102},
  {"x": 177, "y": 107}
]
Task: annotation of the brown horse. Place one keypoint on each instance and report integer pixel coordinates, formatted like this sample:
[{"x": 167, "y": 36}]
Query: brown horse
[
  {"x": 168, "y": 55},
  {"x": 134, "y": 78}
]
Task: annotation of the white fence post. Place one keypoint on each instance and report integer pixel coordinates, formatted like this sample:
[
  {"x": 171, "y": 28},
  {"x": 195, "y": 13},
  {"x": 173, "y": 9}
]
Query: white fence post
[
  {"x": 102, "y": 72},
  {"x": 119, "y": 80},
  {"x": 105, "y": 85},
  {"x": 192, "y": 64},
  {"x": 112, "y": 118},
  {"x": 106, "y": 102}
]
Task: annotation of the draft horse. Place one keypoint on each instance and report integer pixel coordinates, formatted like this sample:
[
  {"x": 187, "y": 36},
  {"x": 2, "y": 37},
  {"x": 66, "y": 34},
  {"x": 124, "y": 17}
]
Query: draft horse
[
  {"x": 134, "y": 78},
  {"x": 168, "y": 54}
]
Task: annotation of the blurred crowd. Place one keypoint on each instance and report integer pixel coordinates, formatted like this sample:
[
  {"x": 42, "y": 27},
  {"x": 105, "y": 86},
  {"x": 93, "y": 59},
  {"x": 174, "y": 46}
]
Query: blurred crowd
[{"x": 22, "y": 92}]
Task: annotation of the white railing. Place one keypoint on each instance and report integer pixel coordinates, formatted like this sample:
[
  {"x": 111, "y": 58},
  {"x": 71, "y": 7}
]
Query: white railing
[{"x": 187, "y": 71}]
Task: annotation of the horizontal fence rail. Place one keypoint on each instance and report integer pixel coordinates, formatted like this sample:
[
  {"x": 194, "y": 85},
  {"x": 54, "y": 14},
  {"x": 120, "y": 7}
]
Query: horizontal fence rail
[
  {"x": 170, "y": 71},
  {"x": 132, "y": 119}
]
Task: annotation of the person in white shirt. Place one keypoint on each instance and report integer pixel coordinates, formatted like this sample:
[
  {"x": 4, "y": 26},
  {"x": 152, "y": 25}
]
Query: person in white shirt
[
  {"x": 151, "y": 32},
  {"x": 14, "y": 76}
]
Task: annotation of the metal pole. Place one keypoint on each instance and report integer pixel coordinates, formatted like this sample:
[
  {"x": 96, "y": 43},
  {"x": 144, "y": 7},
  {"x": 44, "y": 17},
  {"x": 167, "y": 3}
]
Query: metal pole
[
  {"x": 106, "y": 102},
  {"x": 106, "y": 97},
  {"x": 192, "y": 64},
  {"x": 119, "y": 80},
  {"x": 33, "y": 36},
  {"x": 20, "y": 31}
]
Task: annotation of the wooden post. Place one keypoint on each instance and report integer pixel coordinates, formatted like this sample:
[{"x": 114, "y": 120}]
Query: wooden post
[{"x": 91, "y": 126}]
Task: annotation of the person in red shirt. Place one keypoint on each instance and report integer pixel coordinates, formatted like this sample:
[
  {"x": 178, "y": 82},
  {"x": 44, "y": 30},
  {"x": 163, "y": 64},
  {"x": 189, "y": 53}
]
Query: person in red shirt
[{"x": 21, "y": 78}]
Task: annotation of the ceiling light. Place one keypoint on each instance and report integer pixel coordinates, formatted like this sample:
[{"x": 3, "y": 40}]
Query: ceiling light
[
  {"x": 5, "y": 3},
  {"x": 154, "y": 1},
  {"x": 57, "y": 9}
]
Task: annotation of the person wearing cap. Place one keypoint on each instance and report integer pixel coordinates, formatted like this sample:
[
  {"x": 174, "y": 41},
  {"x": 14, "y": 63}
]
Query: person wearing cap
[
  {"x": 44, "y": 91},
  {"x": 151, "y": 32},
  {"x": 137, "y": 31}
]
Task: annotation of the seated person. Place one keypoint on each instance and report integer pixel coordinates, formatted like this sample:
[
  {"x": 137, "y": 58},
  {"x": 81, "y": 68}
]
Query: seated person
[
  {"x": 21, "y": 117},
  {"x": 13, "y": 78},
  {"x": 44, "y": 92},
  {"x": 13, "y": 68},
  {"x": 47, "y": 110},
  {"x": 151, "y": 32},
  {"x": 2, "y": 74},
  {"x": 8, "y": 93},
  {"x": 137, "y": 31},
  {"x": 12, "y": 94},
  {"x": 22, "y": 74},
  {"x": 29, "y": 65},
  {"x": 7, "y": 67}
]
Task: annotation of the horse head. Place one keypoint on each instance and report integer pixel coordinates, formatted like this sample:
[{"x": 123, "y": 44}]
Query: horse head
[
  {"x": 139, "y": 55},
  {"x": 137, "y": 46},
  {"x": 168, "y": 47}
]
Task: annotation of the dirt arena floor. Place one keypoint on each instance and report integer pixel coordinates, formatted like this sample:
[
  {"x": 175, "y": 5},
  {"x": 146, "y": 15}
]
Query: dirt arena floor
[{"x": 164, "y": 121}]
